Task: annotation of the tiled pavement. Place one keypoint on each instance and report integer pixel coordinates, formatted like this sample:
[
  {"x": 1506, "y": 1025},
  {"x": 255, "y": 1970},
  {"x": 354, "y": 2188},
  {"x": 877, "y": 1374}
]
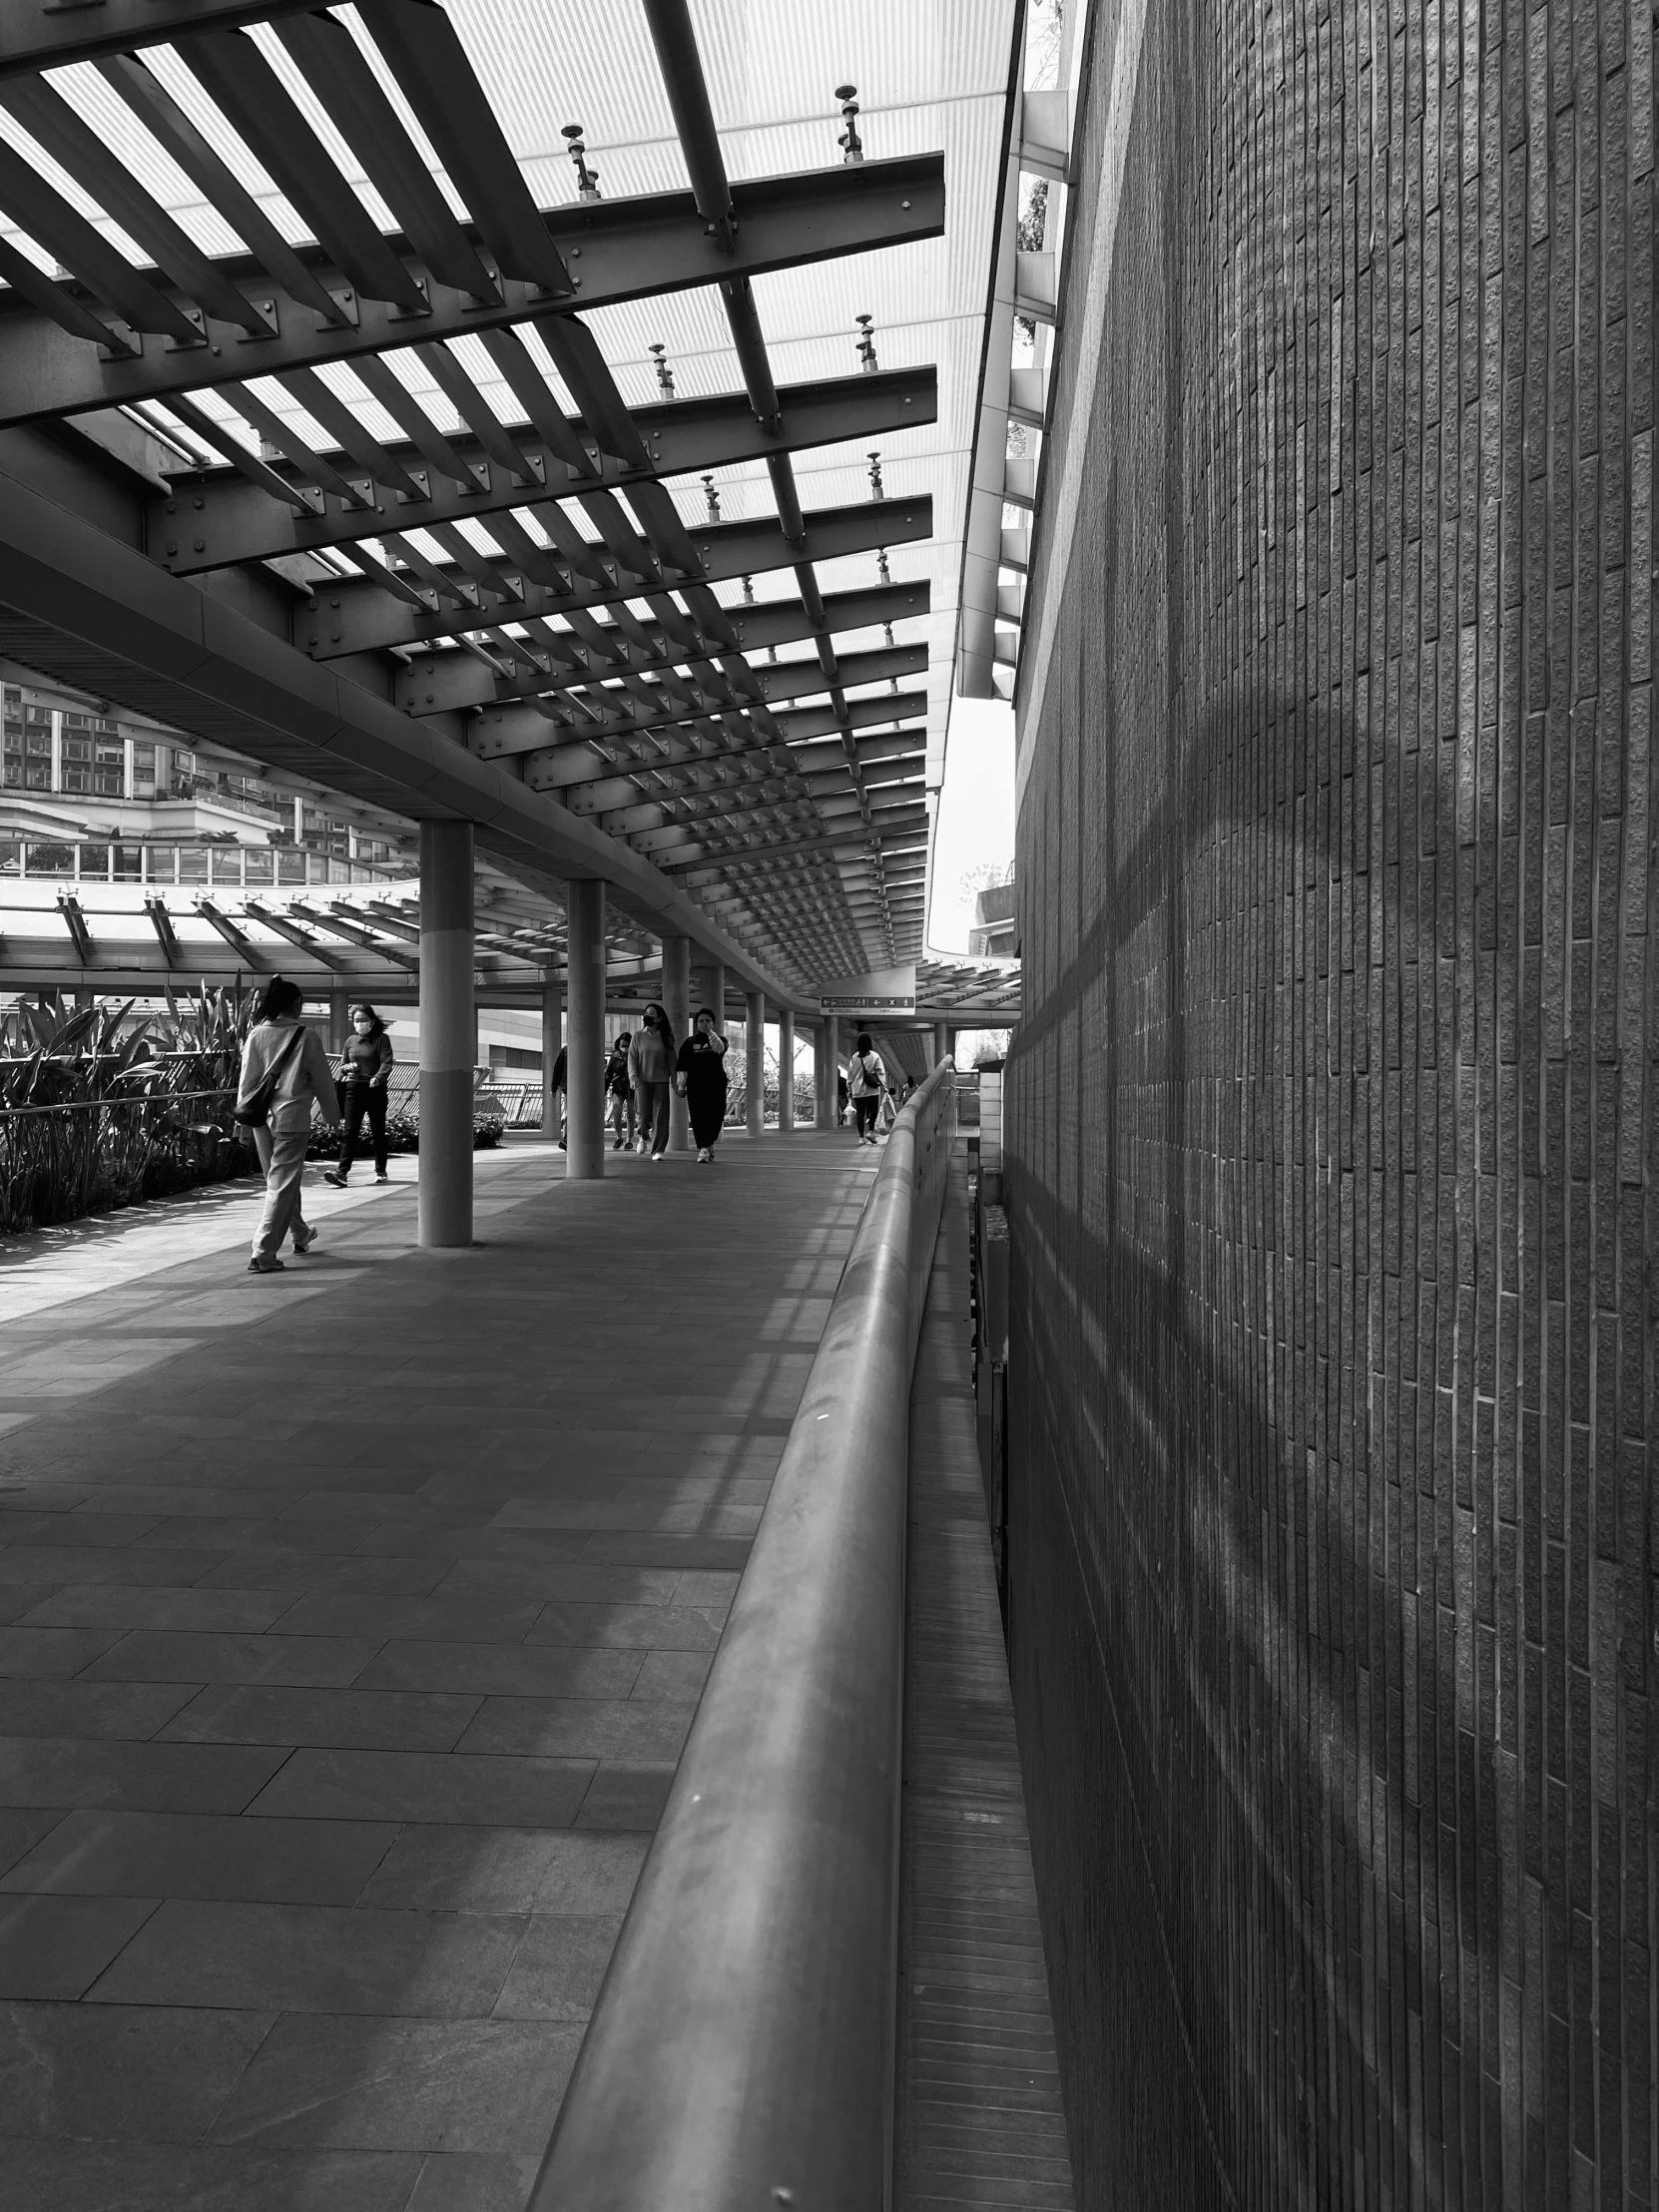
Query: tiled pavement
[{"x": 350, "y": 1625}]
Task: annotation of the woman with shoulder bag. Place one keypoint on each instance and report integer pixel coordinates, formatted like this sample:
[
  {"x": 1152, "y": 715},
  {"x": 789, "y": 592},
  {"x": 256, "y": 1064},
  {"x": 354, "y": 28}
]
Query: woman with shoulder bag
[
  {"x": 650, "y": 1072},
  {"x": 284, "y": 1071},
  {"x": 865, "y": 1082}
]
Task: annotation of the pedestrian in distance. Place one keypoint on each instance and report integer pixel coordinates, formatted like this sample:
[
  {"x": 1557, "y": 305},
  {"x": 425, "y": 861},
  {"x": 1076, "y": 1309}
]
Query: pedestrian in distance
[
  {"x": 364, "y": 1070},
  {"x": 285, "y": 1073},
  {"x": 619, "y": 1092},
  {"x": 865, "y": 1082},
  {"x": 651, "y": 1071},
  {"x": 699, "y": 1078},
  {"x": 840, "y": 1096},
  {"x": 561, "y": 1085}
]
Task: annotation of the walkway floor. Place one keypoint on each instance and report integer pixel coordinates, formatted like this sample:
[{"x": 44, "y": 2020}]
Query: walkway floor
[
  {"x": 357, "y": 1618},
  {"x": 979, "y": 2123}
]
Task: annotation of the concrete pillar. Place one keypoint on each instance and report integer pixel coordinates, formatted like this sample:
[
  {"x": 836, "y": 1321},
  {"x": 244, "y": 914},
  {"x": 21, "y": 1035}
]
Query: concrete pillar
[
  {"x": 677, "y": 1005},
  {"x": 584, "y": 1066},
  {"x": 448, "y": 1036},
  {"x": 339, "y": 1018},
  {"x": 552, "y": 1036},
  {"x": 942, "y": 1042},
  {"x": 785, "y": 1071},
  {"x": 823, "y": 1074},
  {"x": 755, "y": 1061}
]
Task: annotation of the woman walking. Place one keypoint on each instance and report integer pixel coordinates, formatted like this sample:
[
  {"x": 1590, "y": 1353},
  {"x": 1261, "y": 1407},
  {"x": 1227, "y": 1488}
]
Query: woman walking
[
  {"x": 284, "y": 1071},
  {"x": 365, "y": 1069},
  {"x": 651, "y": 1071},
  {"x": 865, "y": 1082},
  {"x": 701, "y": 1080},
  {"x": 619, "y": 1091}
]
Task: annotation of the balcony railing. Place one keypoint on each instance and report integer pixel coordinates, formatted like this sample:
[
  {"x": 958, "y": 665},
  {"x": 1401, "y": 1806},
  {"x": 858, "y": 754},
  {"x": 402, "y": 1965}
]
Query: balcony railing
[{"x": 742, "y": 2050}]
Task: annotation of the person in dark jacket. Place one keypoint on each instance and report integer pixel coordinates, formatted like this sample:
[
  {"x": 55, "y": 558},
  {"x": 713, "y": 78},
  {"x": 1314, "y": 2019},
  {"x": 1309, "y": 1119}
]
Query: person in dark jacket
[
  {"x": 619, "y": 1092},
  {"x": 561, "y": 1088},
  {"x": 699, "y": 1078},
  {"x": 365, "y": 1064}
]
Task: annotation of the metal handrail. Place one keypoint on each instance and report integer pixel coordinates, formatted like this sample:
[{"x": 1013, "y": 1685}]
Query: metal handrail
[
  {"x": 115, "y": 1102},
  {"x": 742, "y": 2050}
]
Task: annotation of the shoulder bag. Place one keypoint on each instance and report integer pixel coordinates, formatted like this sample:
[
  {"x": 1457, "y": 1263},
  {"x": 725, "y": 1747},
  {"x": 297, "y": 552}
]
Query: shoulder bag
[{"x": 257, "y": 1112}]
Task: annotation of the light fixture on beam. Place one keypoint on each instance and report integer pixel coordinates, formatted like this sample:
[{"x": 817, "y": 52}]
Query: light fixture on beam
[
  {"x": 587, "y": 180},
  {"x": 851, "y": 144}
]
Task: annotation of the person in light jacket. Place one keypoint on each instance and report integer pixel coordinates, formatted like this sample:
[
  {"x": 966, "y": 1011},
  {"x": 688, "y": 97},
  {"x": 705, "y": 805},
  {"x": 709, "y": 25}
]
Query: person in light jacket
[
  {"x": 304, "y": 1080},
  {"x": 865, "y": 1082},
  {"x": 651, "y": 1071}
]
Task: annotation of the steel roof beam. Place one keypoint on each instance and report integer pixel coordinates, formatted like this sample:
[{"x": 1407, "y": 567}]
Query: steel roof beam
[
  {"x": 599, "y": 714},
  {"x": 214, "y": 518},
  {"x": 902, "y": 822},
  {"x": 448, "y": 682},
  {"x": 514, "y": 729},
  {"x": 566, "y": 766},
  {"x": 45, "y": 34},
  {"x": 618, "y": 249},
  {"x": 361, "y": 616}
]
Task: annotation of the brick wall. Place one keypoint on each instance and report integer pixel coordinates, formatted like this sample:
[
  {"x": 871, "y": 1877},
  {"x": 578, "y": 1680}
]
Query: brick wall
[{"x": 1331, "y": 1119}]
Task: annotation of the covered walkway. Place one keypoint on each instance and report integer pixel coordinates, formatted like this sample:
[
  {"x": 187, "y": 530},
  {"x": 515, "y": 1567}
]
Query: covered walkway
[{"x": 356, "y": 1620}]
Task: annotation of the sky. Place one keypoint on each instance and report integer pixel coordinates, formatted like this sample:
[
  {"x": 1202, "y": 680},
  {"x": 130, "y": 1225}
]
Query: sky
[{"x": 976, "y": 815}]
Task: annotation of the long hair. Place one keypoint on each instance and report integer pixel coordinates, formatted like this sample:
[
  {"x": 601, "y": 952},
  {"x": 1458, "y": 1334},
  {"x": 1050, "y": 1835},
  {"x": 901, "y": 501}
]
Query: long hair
[
  {"x": 663, "y": 1026},
  {"x": 280, "y": 1000},
  {"x": 864, "y": 1044},
  {"x": 377, "y": 1028}
]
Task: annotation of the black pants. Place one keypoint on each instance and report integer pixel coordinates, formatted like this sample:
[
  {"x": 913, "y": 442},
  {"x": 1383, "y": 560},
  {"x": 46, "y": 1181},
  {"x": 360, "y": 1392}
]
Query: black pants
[
  {"x": 866, "y": 1110},
  {"x": 359, "y": 1099}
]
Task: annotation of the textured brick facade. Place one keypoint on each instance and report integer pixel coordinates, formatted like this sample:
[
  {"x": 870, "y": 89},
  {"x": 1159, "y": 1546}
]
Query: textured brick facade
[{"x": 1330, "y": 1122}]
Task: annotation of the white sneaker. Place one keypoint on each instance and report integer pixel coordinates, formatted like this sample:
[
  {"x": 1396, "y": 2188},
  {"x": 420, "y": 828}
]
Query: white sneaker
[
  {"x": 702, "y": 1153},
  {"x": 640, "y": 1148}
]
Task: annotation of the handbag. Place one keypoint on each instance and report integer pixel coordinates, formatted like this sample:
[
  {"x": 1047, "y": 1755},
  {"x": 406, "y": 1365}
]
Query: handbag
[{"x": 257, "y": 1111}]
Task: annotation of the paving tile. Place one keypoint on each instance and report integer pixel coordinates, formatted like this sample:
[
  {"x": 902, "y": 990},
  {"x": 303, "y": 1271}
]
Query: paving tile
[
  {"x": 641, "y": 1627},
  {"x": 203, "y": 1856},
  {"x": 20, "y": 1830},
  {"x": 378, "y": 1720},
  {"x": 626, "y": 1796},
  {"x": 507, "y": 1870},
  {"x": 559, "y": 1967},
  {"x": 159, "y": 1777},
  {"x": 130, "y": 2073},
  {"x": 475, "y": 2181},
  {"x": 584, "y": 1582},
  {"x": 140, "y": 2177},
  {"x": 315, "y": 1959},
  {"x": 119, "y": 1605},
  {"x": 133, "y": 1710},
  {"x": 580, "y": 1728},
  {"x": 430, "y": 1619},
  {"x": 53, "y": 1651},
  {"x": 429, "y": 1786},
  {"x": 304, "y": 1574},
  {"x": 574, "y": 1670},
  {"x": 58, "y": 1946},
  {"x": 295, "y": 1662},
  {"x": 675, "y": 1676},
  {"x": 367, "y": 2083}
]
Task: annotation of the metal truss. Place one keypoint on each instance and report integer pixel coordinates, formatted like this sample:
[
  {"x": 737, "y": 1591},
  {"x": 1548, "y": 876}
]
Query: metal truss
[{"x": 514, "y": 572}]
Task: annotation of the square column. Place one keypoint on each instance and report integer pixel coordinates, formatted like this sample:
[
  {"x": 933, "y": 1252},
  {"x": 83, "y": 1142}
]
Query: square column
[
  {"x": 785, "y": 1072},
  {"x": 585, "y": 1065},
  {"x": 823, "y": 1074},
  {"x": 552, "y": 1036},
  {"x": 677, "y": 1007},
  {"x": 755, "y": 1062},
  {"x": 339, "y": 1018},
  {"x": 448, "y": 1034}
]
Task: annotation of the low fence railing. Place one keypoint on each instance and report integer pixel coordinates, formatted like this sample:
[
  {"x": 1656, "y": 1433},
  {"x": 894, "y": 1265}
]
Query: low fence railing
[
  {"x": 742, "y": 2050},
  {"x": 65, "y": 1158}
]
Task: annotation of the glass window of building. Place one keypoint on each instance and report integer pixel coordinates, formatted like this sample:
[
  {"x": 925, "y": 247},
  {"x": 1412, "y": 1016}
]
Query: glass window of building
[{"x": 146, "y": 769}]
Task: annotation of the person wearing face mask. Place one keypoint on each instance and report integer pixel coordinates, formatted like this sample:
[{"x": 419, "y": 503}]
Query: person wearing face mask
[
  {"x": 701, "y": 1079},
  {"x": 619, "y": 1093},
  {"x": 365, "y": 1064},
  {"x": 650, "y": 1072}
]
